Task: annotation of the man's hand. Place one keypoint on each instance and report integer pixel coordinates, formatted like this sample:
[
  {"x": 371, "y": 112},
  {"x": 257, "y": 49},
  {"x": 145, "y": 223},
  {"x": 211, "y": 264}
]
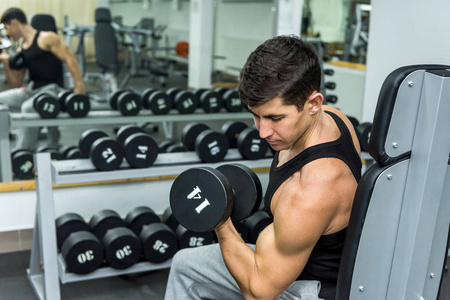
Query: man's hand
[{"x": 4, "y": 58}]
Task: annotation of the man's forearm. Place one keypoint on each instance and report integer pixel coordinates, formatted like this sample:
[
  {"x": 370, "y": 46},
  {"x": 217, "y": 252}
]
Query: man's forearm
[{"x": 74, "y": 70}]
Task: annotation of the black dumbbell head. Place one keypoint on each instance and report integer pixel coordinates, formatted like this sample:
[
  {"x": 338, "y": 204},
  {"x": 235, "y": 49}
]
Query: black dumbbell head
[
  {"x": 129, "y": 103},
  {"x": 211, "y": 146},
  {"x": 22, "y": 164},
  {"x": 146, "y": 95},
  {"x": 232, "y": 129},
  {"x": 82, "y": 252},
  {"x": 211, "y": 101},
  {"x": 140, "y": 216},
  {"x": 257, "y": 223},
  {"x": 191, "y": 239},
  {"x": 46, "y": 106},
  {"x": 122, "y": 248},
  {"x": 114, "y": 97},
  {"x": 169, "y": 219},
  {"x": 140, "y": 150},
  {"x": 232, "y": 102},
  {"x": 125, "y": 131},
  {"x": 250, "y": 145},
  {"x": 185, "y": 102},
  {"x": 190, "y": 133},
  {"x": 68, "y": 223},
  {"x": 105, "y": 220},
  {"x": 62, "y": 98},
  {"x": 88, "y": 137},
  {"x": 247, "y": 190},
  {"x": 201, "y": 199},
  {"x": 159, "y": 242},
  {"x": 106, "y": 154},
  {"x": 175, "y": 148},
  {"x": 77, "y": 105},
  {"x": 160, "y": 103},
  {"x": 363, "y": 132}
]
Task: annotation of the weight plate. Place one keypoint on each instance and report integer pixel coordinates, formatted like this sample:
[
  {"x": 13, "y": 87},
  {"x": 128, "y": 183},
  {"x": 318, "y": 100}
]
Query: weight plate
[
  {"x": 232, "y": 102},
  {"x": 122, "y": 248},
  {"x": 250, "y": 145},
  {"x": 160, "y": 103},
  {"x": 211, "y": 101},
  {"x": 247, "y": 190},
  {"x": 211, "y": 146},
  {"x": 140, "y": 216},
  {"x": 77, "y": 105},
  {"x": 231, "y": 130},
  {"x": 141, "y": 150},
  {"x": 201, "y": 199},
  {"x": 68, "y": 223},
  {"x": 159, "y": 242},
  {"x": 129, "y": 104},
  {"x": 106, "y": 154},
  {"x": 82, "y": 252},
  {"x": 125, "y": 131},
  {"x": 88, "y": 137},
  {"x": 190, "y": 133}
]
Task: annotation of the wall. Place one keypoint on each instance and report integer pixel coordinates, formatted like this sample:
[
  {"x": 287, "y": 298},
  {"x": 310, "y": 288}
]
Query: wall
[{"x": 403, "y": 33}]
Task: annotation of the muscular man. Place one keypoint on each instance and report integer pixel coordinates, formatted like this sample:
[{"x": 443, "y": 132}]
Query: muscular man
[
  {"x": 313, "y": 179},
  {"x": 43, "y": 53}
]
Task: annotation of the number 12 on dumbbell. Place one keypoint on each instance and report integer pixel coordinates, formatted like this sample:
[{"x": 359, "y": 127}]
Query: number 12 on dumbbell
[{"x": 203, "y": 198}]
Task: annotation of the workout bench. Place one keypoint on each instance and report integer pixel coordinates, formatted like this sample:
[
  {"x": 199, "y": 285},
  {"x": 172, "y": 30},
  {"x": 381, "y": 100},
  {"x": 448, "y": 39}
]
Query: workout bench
[{"x": 397, "y": 238}]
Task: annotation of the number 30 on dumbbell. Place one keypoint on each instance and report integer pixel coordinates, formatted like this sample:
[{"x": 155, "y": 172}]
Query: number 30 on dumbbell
[{"x": 203, "y": 198}]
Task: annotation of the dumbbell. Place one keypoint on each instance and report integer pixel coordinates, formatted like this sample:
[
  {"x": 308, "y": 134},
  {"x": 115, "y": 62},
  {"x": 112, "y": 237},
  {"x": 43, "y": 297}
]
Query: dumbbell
[
  {"x": 210, "y": 101},
  {"x": 187, "y": 238},
  {"x": 76, "y": 105},
  {"x": 255, "y": 224},
  {"x": 70, "y": 152},
  {"x": 46, "y": 105},
  {"x": 80, "y": 248},
  {"x": 157, "y": 101},
  {"x": 203, "y": 198},
  {"x": 54, "y": 153},
  {"x": 232, "y": 102},
  {"x": 210, "y": 146},
  {"x": 250, "y": 145},
  {"x": 184, "y": 102},
  {"x": 122, "y": 247},
  {"x": 363, "y": 133},
  {"x": 22, "y": 163},
  {"x": 126, "y": 102},
  {"x": 140, "y": 149},
  {"x": 106, "y": 153},
  {"x": 159, "y": 241}
]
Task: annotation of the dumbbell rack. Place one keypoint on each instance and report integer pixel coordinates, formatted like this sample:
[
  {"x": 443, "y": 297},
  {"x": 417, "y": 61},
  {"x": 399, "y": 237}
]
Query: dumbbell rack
[
  {"x": 44, "y": 250},
  {"x": 9, "y": 120}
]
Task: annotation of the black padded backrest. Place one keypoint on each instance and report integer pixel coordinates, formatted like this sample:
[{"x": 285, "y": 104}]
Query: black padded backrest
[
  {"x": 43, "y": 22},
  {"x": 105, "y": 41},
  {"x": 363, "y": 196}
]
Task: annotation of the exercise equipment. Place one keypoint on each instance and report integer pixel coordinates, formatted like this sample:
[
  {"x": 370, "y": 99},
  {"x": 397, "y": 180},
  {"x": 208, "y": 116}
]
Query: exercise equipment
[
  {"x": 363, "y": 132},
  {"x": 106, "y": 153},
  {"x": 140, "y": 149},
  {"x": 210, "y": 101},
  {"x": 183, "y": 101},
  {"x": 81, "y": 249},
  {"x": 54, "y": 153},
  {"x": 191, "y": 239},
  {"x": 255, "y": 224},
  {"x": 70, "y": 152},
  {"x": 46, "y": 105},
  {"x": 210, "y": 146},
  {"x": 16, "y": 61},
  {"x": 127, "y": 102},
  {"x": 232, "y": 102},
  {"x": 202, "y": 199},
  {"x": 159, "y": 241},
  {"x": 76, "y": 105},
  {"x": 22, "y": 163},
  {"x": 250, "y": 145},
  {"x": 157, "y": 101},
  {"x": 122, "y": 247}
]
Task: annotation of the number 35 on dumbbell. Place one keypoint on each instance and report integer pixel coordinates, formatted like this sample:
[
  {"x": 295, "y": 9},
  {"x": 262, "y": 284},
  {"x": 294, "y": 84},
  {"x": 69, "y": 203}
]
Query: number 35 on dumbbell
[{"x": 203, "y": 198}]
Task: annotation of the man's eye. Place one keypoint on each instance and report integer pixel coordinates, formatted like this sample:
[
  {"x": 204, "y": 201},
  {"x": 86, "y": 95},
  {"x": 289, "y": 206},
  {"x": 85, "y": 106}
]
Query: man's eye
[{"x": 276, "y": 119}]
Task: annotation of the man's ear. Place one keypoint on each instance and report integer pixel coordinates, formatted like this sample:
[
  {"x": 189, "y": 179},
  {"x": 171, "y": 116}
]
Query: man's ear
[{"x": 315, "y": 102}]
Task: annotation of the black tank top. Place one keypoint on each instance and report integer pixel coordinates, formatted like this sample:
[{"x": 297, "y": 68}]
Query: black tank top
[
  {"x": 323, "y": 263},
  {"x": 43, "y": 66}
]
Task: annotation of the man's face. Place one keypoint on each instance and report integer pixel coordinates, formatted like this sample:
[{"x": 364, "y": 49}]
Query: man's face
[
  {"x": 12, "y": 30},
  {"x": 281, "y": 125}
]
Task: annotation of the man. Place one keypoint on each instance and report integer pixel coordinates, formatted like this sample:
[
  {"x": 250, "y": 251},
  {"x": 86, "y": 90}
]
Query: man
[
  {"x": 313, "y": 179},
  {"x": 43, "y": 53}
]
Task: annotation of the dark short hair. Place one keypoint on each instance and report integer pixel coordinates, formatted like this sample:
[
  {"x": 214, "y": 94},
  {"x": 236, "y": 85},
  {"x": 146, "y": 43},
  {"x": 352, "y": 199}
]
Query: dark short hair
[
  {"x": 13, "y": 13},
  {"x": 283, "y": 66}
]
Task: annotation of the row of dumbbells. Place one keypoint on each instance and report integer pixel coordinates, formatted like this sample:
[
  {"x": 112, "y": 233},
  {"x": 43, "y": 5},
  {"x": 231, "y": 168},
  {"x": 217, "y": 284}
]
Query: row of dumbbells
[
  {"x": 362, "y": 132},
  {"x": 159, "y": 102},
  {"x": 109, "y": 240}
]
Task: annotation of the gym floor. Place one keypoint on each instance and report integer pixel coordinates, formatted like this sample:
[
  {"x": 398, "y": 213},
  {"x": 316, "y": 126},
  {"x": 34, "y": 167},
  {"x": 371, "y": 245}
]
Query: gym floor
[{"x": 14, "y": 284}]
